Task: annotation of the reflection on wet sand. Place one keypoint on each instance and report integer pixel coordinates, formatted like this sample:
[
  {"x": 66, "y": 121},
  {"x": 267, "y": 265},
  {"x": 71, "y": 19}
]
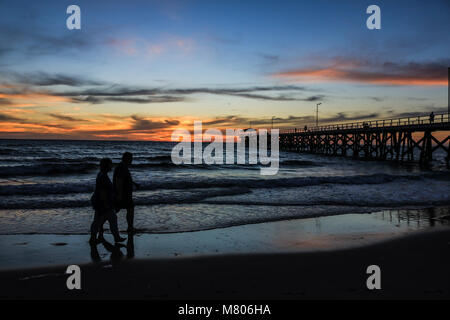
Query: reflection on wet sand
[
  {"x": 115, "y": 249},
  {"x": 417, "y": 218},
  {"x": 297, "y": 235}
]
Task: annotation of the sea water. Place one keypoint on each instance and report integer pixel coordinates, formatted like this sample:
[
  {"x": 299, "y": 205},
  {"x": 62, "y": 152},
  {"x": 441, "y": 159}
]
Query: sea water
[{"x": 45, "y": 187}]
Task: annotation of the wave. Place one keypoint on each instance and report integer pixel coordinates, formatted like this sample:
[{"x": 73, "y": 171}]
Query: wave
[
  {"x": 166, "y": 158},
  {"x": 299, "y": 163},
  {"x": 255, "y": 183},
  {"x": 161, "y": 220},
  {"x": 7, "y": 151},
  {"x": 117, "y": 159},
  {"x": 405, "y": 203},
  {"x": 204, "y": 197},
  {"x": 191, "y": 197},
  {"x": 71, "y": 166},
  {"x": 46, "y": 169},
  {"x": 69, "y": 160},
  {"x": 42, "y": 166}
]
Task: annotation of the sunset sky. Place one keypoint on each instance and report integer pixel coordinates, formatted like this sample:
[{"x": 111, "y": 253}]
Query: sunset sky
[{"x": 140, "y": 69}]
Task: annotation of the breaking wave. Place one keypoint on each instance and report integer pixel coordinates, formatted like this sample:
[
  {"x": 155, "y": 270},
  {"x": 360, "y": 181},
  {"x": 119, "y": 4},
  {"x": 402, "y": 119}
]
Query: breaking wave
[{"x": 255, "y": 183}]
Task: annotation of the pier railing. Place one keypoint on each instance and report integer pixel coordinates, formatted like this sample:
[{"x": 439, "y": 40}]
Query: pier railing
[{"x": 384, "y": 123}]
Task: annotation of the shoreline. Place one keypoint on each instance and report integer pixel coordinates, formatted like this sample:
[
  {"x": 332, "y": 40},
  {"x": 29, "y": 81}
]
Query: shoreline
[
  {"x": 412, "y": 266},
  {"x": 313, "y": 258},
  {"x": 324, "y": 233}
]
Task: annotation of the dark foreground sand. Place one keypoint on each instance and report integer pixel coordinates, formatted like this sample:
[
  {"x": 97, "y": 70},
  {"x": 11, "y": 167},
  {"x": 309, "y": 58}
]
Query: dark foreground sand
[{"x": 416, "y": 266}]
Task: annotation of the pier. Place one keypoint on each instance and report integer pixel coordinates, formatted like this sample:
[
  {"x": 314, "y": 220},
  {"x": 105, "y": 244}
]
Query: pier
[{"x": 402, "y": 139}]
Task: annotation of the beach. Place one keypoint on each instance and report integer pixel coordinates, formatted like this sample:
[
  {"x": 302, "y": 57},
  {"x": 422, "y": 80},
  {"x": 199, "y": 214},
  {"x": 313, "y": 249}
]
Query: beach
[
  {"x": 415, "y": 266},
  {"x": 295, "y": 259},
  {"x": 224, "y": 150},
  {"x": 222, "y": 231}
]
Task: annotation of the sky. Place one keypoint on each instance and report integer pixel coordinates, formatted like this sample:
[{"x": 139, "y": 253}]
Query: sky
[{"x": 137, "y": 70}]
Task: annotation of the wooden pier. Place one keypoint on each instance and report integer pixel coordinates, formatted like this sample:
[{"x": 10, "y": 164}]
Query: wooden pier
[{"x": 402, "y": 139}]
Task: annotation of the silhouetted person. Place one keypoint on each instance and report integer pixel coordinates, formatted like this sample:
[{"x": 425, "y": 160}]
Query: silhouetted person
[
  {"x": 306, "y": 128},
  {"x": 432, "y": 117},
  {"x": 103, "y": 203},
  {"x": 123, "y": 189}
]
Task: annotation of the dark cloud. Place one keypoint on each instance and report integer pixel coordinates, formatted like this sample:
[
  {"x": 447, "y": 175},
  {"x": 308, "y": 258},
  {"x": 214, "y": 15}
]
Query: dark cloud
[
  {"x": 45, "y": 79},
  {"x": 96, "y": 92},
  {"x": 117, "y": 91},
  {"x": 172, "y": 122},
  {"x": 277, "y": 98},
  {"x": 65, "y": 117},
  {"x": 343, "y": 116},
  {"x": 150, "y": 99},
  {"x": 31, "y": 42},
  {"x": 314, "y": 98},
  {"x": 289, "y": 121},
  {"x": 21, "y": 121},
  {"x": 51, "y": 125},
  {"x": 4, "y": 102},
  {"x": 129, "y": 99},
  {"x": 8, "y": 118},
  {"x": 141, "y": 124},
  {"x": 159, "y": 95},
  {"x": 424, "y": 111},
  {"x": 90, "y": 99}
]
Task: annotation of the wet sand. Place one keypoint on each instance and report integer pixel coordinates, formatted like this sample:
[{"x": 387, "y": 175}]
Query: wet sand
[
  {"x": 413, "y": 265},
  {"x": 289, "y": 236},
  {"x": 416, "y": 266}
]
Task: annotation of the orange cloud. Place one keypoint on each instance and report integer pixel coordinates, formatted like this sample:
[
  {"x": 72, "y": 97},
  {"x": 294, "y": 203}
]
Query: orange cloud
[
  {"x": 105, "y": 126},
  {"x": 33, "y": 98},
  {"x": 410, "y": 74}
]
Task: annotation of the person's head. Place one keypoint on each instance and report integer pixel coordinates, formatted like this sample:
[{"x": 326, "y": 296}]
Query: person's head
[
  {"x": 127, "y": 158},
  {"x": 106, "y": 165}
]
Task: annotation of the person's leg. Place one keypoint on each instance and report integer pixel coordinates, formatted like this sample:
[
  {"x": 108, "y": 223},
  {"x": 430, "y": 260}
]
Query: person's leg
[
  {"x": 94, "y": 227},
  {"x": 130, "y": 218},
  {"x": 130, "y": 246},
  {"x": 101, "y": 229},
  {"x": 112, "y": 219}
]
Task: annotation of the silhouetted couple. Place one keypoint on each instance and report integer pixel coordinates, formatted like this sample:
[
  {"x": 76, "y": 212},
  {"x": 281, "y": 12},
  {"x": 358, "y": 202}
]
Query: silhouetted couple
[{"x": 109, "y": 197}]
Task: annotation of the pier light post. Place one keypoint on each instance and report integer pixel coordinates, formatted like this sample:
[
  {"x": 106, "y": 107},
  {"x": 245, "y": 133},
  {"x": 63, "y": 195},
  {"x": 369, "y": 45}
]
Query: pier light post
[
  {"x": 317, "y": 113},
  {"x": 272, "y": 121}
]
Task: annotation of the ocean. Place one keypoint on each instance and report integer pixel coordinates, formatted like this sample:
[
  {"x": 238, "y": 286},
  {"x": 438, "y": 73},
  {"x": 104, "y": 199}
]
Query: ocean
[{"x": 45, "y": 187}]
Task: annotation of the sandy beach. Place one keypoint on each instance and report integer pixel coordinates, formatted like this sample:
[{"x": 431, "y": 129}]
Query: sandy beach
[{"x": 414, "y": 264}]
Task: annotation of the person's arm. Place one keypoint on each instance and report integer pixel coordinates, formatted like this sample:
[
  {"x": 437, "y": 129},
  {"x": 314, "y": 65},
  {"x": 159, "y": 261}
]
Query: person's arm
[{"x": 130, "y": 181}]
